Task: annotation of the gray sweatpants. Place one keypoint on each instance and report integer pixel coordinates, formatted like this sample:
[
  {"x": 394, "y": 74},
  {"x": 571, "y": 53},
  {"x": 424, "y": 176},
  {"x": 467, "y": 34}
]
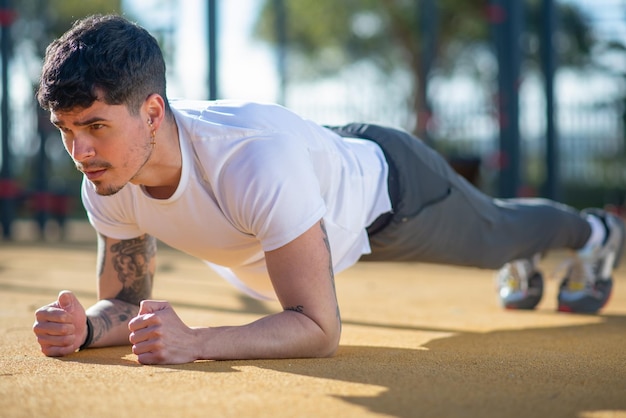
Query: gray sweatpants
[{"x": 439, "y": 217}]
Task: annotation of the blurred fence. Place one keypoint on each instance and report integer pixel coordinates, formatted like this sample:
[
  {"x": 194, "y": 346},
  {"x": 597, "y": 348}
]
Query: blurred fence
[
  {"x": 592, "y": 152},
  {"x": 591, "y": 137}
]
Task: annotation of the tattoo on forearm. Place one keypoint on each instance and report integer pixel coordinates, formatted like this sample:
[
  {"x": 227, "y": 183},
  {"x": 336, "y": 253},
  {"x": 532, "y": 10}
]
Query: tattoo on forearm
[
  {"x": 298, "y": 308},
  {"x": 118, "y": 313},
  {"x": 132, "y": 259},
  {"x": 330, "y": 266}
]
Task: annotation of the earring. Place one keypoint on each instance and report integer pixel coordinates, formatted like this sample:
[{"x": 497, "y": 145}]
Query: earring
[{"x": 152, "y": 133}]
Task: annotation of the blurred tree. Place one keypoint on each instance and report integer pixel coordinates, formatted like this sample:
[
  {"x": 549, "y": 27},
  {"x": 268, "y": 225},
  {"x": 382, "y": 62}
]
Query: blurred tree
[
  {"x": 43, "y": 20},
  {"x": 324, "y": 37},
  {"x": 574, "y": 38},
  {"x": 44, "y": 171}
]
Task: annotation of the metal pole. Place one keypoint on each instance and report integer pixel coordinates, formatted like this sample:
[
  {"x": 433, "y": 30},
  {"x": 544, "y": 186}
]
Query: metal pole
[
  {"x": 548, "y": 61},
  {"x": 506, "y": 20},
  {"x": 42, "y": 197},
  {"x": 7, "y": 183},
  {"x": 212, "y": 29},
  {"x": 428, "y": 18},
  {"x": 281, "y": 38}
]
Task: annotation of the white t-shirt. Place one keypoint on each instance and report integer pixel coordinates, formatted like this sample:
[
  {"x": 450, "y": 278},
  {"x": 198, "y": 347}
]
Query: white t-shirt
[{"x": 254, "y": 177}]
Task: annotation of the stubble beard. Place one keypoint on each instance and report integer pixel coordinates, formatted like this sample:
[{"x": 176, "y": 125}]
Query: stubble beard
[
  {"x": 111, "y": 189},
  {"x": 108, "y": 190}
]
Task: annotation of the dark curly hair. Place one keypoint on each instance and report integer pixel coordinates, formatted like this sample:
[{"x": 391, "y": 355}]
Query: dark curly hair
[{"x": 106, "y": 55}]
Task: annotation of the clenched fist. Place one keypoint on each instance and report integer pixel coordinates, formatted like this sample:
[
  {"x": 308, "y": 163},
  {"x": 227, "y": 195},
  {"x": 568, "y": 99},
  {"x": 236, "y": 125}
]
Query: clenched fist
[
  {"x": 159, "y": 336},
  {"x": 60, "y": 327}
]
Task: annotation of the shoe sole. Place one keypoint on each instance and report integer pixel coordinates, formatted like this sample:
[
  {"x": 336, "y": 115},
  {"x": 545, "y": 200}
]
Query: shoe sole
[{"x": 589, "y": 305}]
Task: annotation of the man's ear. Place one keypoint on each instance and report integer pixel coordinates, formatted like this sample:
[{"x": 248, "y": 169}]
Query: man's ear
[{"x": 155, "y": 108}]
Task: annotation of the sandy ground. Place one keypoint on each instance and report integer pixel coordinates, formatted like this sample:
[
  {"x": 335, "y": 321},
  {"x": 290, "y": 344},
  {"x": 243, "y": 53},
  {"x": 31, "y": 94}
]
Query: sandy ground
[{"x": 418, "y": 341}]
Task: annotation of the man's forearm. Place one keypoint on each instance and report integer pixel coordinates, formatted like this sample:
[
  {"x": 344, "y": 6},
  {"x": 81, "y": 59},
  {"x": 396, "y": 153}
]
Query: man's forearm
[
  {"x": 109, "y": 318},
  {"x": 283, "y": 335}
]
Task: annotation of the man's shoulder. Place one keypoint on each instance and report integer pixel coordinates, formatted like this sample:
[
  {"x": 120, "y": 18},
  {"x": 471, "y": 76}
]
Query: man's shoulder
[
  {"x": 230, "y": 107},
  {"x": 235, "y": 114}
]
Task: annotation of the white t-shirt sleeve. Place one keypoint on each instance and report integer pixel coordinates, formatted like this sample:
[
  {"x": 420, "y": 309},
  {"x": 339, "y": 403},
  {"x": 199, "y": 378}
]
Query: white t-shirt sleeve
[{"x": 269, "y": 189}]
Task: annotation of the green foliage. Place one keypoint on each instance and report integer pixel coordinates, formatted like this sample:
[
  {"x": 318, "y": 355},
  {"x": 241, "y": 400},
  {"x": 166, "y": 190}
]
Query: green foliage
[
  {"x": 68, "y": 11},
  {"x": 386, "y": 32},
  {"x": 325, "y": 34},
  {"x": 44, "y": 20},
  {"x": 573, "y": 39},
  {"x": 329, "y": 35}
]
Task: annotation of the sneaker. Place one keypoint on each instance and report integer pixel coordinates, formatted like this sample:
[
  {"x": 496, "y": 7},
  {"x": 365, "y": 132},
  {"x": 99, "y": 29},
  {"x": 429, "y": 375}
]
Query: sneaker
[
  {"x": 520, "y": 284},
  {"x": 587, "y": 285}
]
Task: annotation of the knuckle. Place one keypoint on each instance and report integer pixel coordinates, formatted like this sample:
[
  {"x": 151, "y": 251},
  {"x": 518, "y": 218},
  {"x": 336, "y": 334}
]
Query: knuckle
[
  {"x": 41, "y": 313},
  {"x": 147, "y": 358},
  {"x": 51, "y": 351}
]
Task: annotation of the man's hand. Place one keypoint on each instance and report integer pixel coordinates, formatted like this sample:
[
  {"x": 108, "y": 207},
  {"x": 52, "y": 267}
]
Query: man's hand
[
  {"x": 160, "y": 337},
  {"x": 61, "y": 327}
]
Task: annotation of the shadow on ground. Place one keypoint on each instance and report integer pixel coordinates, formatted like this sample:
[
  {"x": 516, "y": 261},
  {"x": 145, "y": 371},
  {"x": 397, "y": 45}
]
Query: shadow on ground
[{"x": 561, "y": 372}]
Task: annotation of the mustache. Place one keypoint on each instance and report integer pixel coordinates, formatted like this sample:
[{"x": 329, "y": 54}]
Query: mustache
[{"x": 92, "y": 166}]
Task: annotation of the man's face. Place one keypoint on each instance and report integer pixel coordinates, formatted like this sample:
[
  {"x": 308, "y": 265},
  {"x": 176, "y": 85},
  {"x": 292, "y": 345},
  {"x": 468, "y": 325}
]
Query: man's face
[{"x": 108, "y": 144}]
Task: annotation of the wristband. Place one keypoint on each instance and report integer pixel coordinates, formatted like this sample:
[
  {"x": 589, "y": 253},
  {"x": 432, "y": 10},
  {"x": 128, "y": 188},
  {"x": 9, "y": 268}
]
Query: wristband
[{"x": 89, "y": 336}]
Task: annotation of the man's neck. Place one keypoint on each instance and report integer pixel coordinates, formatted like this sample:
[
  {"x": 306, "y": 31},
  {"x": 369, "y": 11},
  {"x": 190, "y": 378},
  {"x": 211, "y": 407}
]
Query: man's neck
[{"x": 164, "y": 171}]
